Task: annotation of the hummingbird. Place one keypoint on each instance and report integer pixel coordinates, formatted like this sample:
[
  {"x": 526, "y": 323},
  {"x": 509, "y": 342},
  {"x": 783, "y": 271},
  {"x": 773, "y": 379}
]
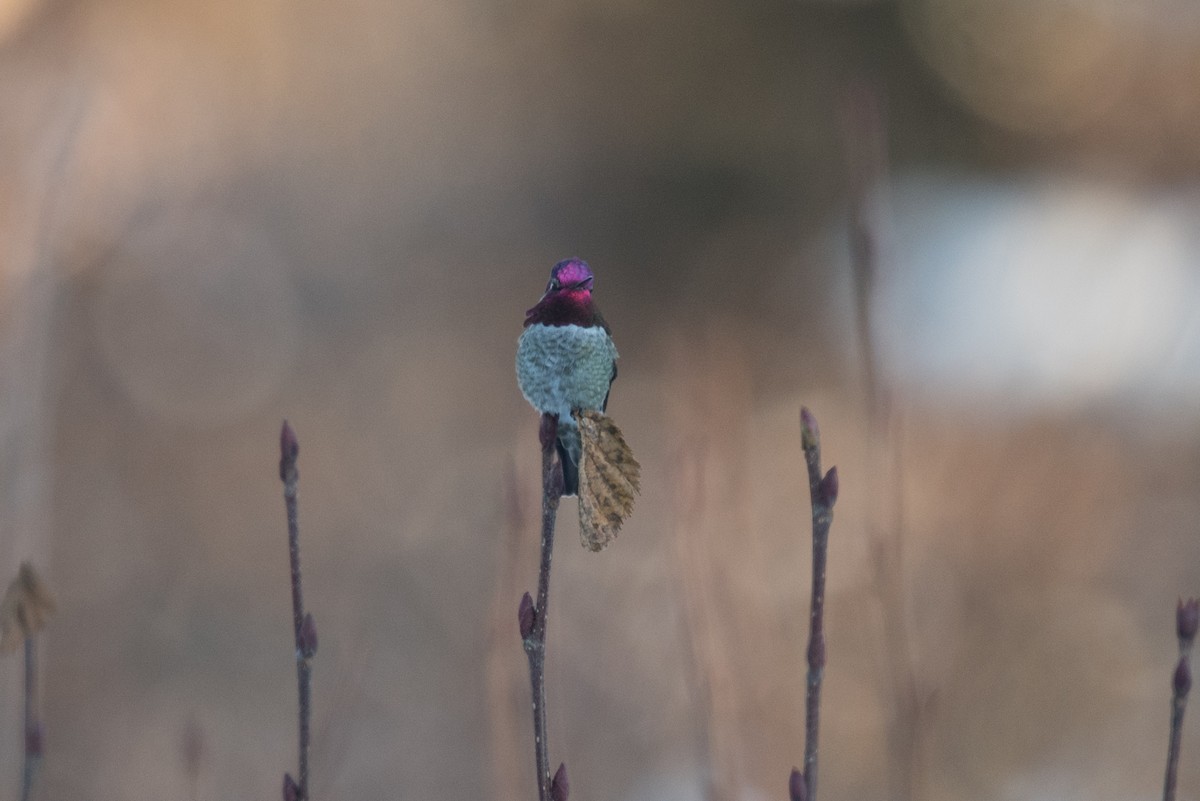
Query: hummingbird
[{"x": 566, "y": 360}]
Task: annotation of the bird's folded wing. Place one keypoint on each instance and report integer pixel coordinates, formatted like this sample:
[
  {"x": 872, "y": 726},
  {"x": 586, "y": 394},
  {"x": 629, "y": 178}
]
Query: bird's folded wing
[{"x": 609, "y": 478}]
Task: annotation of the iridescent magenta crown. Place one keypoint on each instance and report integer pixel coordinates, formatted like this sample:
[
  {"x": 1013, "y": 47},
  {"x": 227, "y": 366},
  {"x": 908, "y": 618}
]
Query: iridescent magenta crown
[{"x": 571, "y": 271}]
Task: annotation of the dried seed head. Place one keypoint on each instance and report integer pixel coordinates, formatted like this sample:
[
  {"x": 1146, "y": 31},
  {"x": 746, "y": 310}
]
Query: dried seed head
[
  {"x": 26, "y": 608},
  {"x": 560, "y": 788}
]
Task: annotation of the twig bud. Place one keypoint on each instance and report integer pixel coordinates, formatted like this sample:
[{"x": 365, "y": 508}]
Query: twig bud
[
  {"x": 525, "y": 616},
  {"x": 1187, "y": 619},
  {"x": 810, "y": 434},
  {"x": 308, "y": 637},
  {"x": 291, "y": 792},
  {"x": 560, "y": 788},
  {"x": 1181, "y": 682},
  {"x": 797, "y": 789},
  {"x": 289, "y": 450},
  {"x": 829, "y": 487}
]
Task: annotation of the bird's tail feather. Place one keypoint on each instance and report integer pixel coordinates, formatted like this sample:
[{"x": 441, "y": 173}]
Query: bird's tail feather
[{"x": 570, "y": 468}]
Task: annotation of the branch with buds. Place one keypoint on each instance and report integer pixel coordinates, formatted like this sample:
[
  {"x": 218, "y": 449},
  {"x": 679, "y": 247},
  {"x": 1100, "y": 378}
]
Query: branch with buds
[
  {"x": 25, "y": 610},
  {"x": 531, "y": 617},
  {"x": 1187, "y": 620},
  {"x": 823, "y": 492},
  {"x": 304, "y": 627}
]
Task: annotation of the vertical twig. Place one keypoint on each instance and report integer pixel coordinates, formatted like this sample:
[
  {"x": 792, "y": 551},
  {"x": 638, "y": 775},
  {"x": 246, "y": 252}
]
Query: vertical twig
[
  {"x": 33, "y": 727},
  {"x": 303, "y": 625},
  {"x": 823, "y": 491},
  {"x": 532, "y": 617},
  {"x": 27, "y": 607},
  {"x": 1187, "y": 620}
]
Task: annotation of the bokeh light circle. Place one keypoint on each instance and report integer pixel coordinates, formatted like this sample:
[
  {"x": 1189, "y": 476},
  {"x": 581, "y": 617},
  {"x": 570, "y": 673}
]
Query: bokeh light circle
[
  {"x": 197, "y": 318},
  {"x": 1029, "y": 66}
]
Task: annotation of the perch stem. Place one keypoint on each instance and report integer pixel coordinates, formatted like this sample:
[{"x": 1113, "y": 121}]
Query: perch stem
[
  {"x": 1178, "y": 703},
  {"x": 290, "y": 476},
  {"x": 535, "y": 642},
  {"x": 33, "y": 730},
  {"x": 822, "y": 493},
  {"x": 1181, "y": 684}
]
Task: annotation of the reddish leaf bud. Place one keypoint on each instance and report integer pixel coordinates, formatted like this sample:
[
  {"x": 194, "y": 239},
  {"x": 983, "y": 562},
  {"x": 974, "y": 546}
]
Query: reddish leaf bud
[
  {"x": 308, "y": 637},
  {"x": 829, "y": 487},
  {"x": 1187, "y": 619},
  {"x": 289, "y": 450},
  {"x": 525, "y": 616},
  {"x": 1182, "y": 680},
  {"x": 290, "y": 791},
  {"x": 810, "y": 434},
  {"x": 559, "y": 786},
  {"x": 797, "y": 789}
]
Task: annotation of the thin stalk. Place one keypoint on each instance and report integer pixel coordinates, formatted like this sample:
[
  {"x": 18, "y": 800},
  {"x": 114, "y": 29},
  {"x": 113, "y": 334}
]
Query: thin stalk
[
  {"x": 1187, "y": 620},
  {"x": 533, "y": 616},
  {"x": 304, "y": 629},
  {"x": 822, "y": 490},
  {"x": 1178, "y": 705},
  {"x": 26, "y": 607},
  {"x": 33, "y": 729}
]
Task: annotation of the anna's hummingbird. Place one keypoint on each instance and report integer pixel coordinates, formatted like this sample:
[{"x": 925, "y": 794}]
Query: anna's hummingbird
[{"x": 566, "y": 360}]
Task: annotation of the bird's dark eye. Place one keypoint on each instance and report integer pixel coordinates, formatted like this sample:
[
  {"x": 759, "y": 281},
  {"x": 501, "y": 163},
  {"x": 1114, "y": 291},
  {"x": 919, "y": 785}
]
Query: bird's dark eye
[{"x": 553, "y": 285}]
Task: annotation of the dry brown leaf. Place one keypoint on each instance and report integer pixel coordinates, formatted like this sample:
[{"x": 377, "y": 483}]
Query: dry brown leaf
[
  {"x": 609, "y": 478},
  {"x": 26, "y": 608}
]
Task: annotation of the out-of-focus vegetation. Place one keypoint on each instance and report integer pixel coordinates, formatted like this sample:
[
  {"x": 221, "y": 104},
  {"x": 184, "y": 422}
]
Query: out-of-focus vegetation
[{"x": 217, "y": 214}]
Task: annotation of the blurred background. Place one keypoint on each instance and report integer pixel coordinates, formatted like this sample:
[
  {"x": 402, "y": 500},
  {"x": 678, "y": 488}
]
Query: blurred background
[{"x": 963, "y": 232}]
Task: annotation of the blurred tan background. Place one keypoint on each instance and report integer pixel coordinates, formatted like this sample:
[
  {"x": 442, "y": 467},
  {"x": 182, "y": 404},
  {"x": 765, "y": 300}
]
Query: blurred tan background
[{"x": 214, "y": 215}]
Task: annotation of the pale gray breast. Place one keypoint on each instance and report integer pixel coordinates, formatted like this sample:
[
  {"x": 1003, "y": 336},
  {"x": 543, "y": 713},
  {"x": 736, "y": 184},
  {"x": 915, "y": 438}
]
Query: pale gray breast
[{"x": 560, "y": 368}]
